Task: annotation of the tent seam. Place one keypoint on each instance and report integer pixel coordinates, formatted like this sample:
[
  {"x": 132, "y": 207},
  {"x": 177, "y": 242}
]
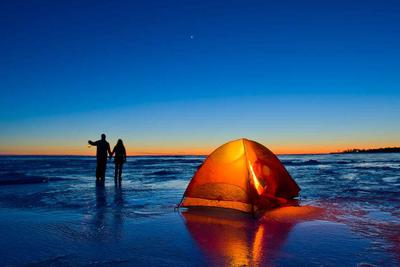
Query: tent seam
[{"x": 248, "y": 174}]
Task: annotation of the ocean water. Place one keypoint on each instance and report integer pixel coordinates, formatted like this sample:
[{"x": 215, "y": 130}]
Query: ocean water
[{"x": 59, "y": 217}]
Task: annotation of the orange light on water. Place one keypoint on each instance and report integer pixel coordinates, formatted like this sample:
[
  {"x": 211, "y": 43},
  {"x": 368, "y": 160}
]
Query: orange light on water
[
  {"x": 257, "y": 249},
  {"x": 293, "y": 213}
]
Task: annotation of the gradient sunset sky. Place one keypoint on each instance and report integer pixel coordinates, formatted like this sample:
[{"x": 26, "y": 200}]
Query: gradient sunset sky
[{"x": 183, "y": 77}]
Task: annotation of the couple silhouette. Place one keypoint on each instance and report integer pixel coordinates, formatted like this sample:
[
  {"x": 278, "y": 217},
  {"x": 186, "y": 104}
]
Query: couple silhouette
[{"x": 102, "y": 153}]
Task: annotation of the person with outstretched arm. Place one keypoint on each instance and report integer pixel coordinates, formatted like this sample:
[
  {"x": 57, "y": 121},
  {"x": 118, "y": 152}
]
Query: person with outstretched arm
[{"x": 103, "y": 147}]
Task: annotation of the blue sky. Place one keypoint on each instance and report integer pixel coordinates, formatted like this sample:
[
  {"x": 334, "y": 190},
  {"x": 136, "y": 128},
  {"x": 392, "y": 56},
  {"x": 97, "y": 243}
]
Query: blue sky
[{"x": 183, "y": 75}]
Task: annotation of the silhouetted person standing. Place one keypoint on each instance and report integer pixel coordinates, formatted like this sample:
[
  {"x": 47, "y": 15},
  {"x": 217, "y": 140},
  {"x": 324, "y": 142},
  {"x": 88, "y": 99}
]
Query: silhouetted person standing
[
  {"x": 101, "y": 154},
  {"x": 119, "y": 160}
]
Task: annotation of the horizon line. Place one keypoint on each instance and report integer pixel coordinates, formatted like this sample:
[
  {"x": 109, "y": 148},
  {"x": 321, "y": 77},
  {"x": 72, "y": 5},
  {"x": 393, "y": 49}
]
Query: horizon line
[
  {"x": 205, "y": 152},
  {"x": 156, "y": 154}
]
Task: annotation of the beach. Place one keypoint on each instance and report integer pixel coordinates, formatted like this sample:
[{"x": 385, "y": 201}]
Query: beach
[{"x": 348, "y": 215}]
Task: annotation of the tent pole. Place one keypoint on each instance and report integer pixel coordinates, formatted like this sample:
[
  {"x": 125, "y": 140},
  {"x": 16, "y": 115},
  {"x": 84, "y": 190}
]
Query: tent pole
[{"x": 248, "y": 178}]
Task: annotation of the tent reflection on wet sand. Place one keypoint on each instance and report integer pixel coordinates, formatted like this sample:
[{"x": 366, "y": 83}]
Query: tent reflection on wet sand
[{"x": 229, "y": 238}]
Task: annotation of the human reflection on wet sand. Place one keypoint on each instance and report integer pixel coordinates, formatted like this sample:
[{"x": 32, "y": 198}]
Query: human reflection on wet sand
[
  {"x": 99, "y": 220},
  {"x": 118, "y": 213},
  {"x": 230, "y": 238},
  {"x": 108, "y": 221}
]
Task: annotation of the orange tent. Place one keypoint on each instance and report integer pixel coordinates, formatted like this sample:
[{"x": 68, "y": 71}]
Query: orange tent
[{"x": 242, "y": 175}]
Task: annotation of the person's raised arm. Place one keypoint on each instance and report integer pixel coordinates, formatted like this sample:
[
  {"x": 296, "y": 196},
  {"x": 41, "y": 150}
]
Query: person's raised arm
[{"x": 92, "y": 143}]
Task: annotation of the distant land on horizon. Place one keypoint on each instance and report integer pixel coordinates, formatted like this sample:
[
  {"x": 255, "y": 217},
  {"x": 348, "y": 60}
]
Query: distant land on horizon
[
  {"x": 348, "y": 151},
  {"x": 371, "y": 150}
]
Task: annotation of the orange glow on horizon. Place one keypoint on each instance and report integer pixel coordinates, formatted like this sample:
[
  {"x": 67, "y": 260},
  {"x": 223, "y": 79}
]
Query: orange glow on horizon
[{"x": 200, "y": 149}]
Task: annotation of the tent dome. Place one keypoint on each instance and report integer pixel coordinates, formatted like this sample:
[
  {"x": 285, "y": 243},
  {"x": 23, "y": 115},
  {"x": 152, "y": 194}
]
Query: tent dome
[{"x": 242, "y": 175}]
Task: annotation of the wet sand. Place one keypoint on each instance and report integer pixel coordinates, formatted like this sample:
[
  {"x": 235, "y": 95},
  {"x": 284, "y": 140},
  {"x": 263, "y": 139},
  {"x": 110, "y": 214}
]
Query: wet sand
[
  {"x": 199, "y": 237},
  {"x": 348, "y": 216}
]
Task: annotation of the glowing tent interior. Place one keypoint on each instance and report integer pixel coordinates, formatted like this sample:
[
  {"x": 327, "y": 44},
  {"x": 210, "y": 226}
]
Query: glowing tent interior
[{"x": 242, "y": 175}]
